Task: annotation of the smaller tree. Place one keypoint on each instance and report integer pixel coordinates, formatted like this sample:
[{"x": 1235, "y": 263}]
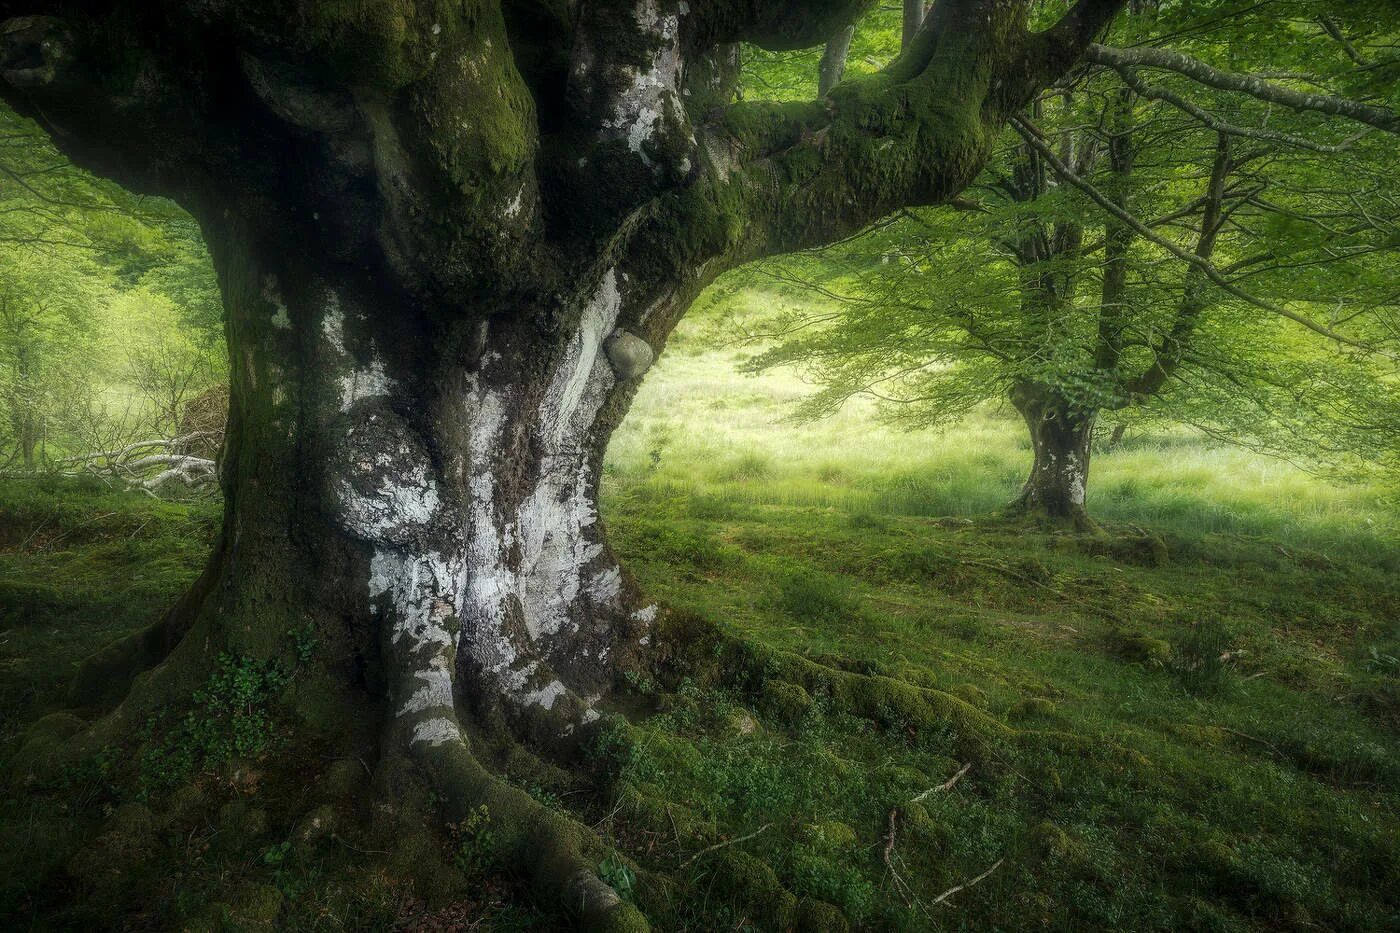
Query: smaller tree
[
  {"x": 47, "y": 338},
  {"x": 1122, "y": 257}
]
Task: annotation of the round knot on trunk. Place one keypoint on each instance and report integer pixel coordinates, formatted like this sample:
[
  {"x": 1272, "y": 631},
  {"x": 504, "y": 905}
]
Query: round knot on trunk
[{"x": 630, "y": 355}]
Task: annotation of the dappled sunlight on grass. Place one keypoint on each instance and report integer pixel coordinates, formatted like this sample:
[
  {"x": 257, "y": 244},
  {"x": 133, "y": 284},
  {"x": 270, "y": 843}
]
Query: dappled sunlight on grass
[{"x": 700, "y": 428}]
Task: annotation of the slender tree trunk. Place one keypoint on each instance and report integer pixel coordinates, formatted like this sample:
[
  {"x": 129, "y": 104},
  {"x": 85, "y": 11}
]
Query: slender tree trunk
[
  {"x": 1061, "y": 438},
  {"x": 28, "y": 439},
  {"x": 914, "y": 11},
  {"x": 833, "y": 64}
]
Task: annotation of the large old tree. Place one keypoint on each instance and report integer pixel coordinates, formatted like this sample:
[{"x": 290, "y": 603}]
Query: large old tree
[{"x": 451, "y": 236}]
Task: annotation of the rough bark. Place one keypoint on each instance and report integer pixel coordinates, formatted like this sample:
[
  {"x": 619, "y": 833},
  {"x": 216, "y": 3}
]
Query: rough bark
[
  {"x": 451, "y": 238},
  {"x": 1061, "y": 438}
]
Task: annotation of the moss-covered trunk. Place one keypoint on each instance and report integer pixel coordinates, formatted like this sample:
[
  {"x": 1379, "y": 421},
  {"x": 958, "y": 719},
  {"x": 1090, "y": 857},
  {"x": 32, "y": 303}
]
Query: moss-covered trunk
[{"x": 422, "y": 485}]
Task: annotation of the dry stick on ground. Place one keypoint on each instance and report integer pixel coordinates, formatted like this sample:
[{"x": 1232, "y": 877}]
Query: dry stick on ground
[
  {"x": 887, "y": 856},
  {"x": 720, "y": 845},
  {"x": 967, "y": 884},
  {"x": 945, "y": 786}
]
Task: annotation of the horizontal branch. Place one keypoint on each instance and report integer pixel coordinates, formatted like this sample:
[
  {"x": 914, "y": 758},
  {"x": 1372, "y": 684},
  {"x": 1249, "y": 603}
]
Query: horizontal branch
[{"x": 1210, "y": 121}]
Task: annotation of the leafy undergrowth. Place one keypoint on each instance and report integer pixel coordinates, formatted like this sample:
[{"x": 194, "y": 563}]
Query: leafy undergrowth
[{"x": 1200, "y": 733}]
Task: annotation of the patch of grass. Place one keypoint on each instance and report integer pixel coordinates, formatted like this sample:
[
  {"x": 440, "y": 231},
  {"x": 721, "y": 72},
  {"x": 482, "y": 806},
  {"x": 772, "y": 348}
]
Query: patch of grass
[
  {"x": 1200, "y": 658},
  {"x": 817, "y": 598}
]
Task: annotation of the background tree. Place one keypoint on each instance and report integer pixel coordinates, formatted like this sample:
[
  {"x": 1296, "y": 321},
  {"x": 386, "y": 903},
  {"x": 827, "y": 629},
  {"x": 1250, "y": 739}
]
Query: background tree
[
  {"x": 1201, "y": 260},
  {"x": 89, "y": 268}
]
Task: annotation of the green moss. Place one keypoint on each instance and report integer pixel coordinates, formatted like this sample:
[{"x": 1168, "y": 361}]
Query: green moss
[
  {"x": 754, "y": 885},
  {"x": 787, "y": 702},
  {"x": 830, "y": 835},
  {"x": 1138, "y": 648}
]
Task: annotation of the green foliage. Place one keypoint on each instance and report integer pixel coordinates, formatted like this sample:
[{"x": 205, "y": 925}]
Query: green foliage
[
  {"x": 617, "y": 875},
  {"x": 817, "y": 599},
  {"x": 232, "y": 717},
  {"x": 110, "y": 316},
  {"x": 475, "y": 852},
  {"x": 937, "y": 312}
]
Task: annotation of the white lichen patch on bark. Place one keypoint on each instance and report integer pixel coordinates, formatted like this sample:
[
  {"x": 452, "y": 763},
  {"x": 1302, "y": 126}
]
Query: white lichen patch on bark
[
  {"x": 566, "y": 392},
  {"x": 399, "y": 500},
  {"x": 273, "y": 296},
  {"x": 418, "y": 592},
  {"x": 355, "y": 382},
  {"x": 369, "y": 382},
  {"x": 1078, "y": 478},
  {"x": 639, "y": 110}
]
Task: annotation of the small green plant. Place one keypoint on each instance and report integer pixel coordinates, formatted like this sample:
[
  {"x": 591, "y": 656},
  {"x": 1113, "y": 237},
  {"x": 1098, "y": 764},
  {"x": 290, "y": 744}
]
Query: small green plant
[
  {"x": 617, "y": 875},
  {"x": 274, "y": 855},
  {"x": 640, "y": 682},
  {"x": 304, "y": 642},
  {"x": 231, "y": 717},
  {"x": 476, "y": 843}
]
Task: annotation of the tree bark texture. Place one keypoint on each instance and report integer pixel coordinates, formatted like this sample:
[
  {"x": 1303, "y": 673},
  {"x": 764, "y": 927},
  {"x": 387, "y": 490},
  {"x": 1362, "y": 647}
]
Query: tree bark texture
[{"x": 1061, "y": 438}]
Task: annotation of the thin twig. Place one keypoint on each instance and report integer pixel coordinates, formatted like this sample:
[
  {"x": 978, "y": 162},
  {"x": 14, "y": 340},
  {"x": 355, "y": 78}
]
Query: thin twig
[
  {"x": 899, "y": 883},
  {"x": 720, "y": 845},
  {"x": 967, "y": 884},
  {"x": 945, "y": 786}
]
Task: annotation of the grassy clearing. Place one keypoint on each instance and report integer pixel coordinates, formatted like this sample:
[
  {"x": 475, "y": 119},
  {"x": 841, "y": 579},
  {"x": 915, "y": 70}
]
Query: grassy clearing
[
  {"x": 1125, "y": 775},
  {"x": 701, "y": 430}
]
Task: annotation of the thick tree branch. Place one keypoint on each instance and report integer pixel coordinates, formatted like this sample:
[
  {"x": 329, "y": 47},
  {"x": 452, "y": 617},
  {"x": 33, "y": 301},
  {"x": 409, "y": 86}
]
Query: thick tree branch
[
  {"x": 1200, "y": 72},
  {"x": 1057, "y": 49},
  {"x": 1133, "y": 80}
]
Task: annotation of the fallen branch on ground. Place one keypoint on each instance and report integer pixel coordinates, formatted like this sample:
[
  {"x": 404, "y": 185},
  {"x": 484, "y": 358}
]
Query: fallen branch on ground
[
  {"x": 720, "y": 845},
  {"x": 945, "y": 786},
  {"x": 965, "y": 885},
  {"x": 148, "y": 465}
]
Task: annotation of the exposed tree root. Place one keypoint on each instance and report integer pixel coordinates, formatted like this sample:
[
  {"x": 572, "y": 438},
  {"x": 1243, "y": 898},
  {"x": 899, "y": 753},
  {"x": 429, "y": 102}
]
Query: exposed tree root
[
  {"x": 104, "y": 679},
  {"x": 559, "y": 854},
  {"x": 780, "y": 681},
  {"x": 425, "y": 745}
]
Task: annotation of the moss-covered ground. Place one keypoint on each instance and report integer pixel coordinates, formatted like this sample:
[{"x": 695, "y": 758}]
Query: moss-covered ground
[{"x": 1187, "y": 722}]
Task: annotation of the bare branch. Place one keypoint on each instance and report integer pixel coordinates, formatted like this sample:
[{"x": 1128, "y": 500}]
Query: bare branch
[
  {"x": 1200, "y": 72},
  {"x": 1033, "y": 137}
]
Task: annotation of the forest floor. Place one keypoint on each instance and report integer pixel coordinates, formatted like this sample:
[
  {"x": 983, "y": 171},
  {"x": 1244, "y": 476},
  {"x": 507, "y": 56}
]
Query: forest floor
[{"x": 1195, "y": 716}]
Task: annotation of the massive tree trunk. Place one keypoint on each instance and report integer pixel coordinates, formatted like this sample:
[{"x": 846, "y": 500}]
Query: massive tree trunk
[
  {"x": 451, "y": 238},
  {"x": 451, "y": 466},
  {"x": 1061, "y": 438}
]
